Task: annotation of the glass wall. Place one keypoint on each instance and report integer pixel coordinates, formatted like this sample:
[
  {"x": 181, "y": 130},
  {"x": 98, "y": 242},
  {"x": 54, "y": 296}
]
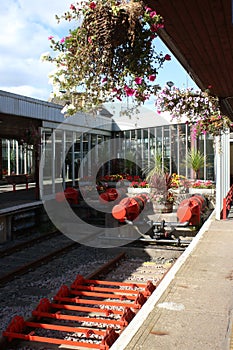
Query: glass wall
[
  {"x": 172, "y": 143},
  {"x": 16, "y": 158},
  {"x": 66, "y": 156},
  {"x": 67, "y": 153}
]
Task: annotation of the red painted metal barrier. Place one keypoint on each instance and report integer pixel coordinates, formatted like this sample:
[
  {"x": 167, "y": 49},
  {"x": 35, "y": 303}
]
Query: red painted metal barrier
[
  {"x": 129, "y": 208},
  {"x": 111, "y": 194},
  {"x": 70, "y": 194},
  {"x": 109, "y": 304},
  {"x": 190, "y": 209},
  {"x": 227, "y": 203}
]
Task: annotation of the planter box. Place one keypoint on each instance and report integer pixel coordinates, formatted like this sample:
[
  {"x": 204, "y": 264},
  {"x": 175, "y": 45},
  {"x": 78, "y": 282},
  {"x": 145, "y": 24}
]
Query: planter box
[
  {"x": 202, "y": 191},
  {"x": 135, "y": 191}
]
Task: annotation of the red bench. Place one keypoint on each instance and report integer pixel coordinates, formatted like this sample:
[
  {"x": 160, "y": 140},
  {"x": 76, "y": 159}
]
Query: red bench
[{"x": 17, "y": 180}]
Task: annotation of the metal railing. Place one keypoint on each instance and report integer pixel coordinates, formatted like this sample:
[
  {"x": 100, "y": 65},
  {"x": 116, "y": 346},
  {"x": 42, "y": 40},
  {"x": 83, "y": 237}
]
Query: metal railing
[{"x": 227, "y": 203}]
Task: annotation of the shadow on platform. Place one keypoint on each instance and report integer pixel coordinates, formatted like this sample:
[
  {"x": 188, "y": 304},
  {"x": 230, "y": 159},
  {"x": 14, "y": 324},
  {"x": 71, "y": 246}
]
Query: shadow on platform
[{"x": 10, "y": 199}]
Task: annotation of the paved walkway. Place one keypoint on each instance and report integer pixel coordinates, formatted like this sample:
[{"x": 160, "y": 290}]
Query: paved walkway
[{"x": 192, "y": 309}]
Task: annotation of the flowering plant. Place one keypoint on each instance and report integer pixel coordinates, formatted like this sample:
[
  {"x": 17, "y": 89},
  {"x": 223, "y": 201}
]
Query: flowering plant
[
  {"x": 203, "y": 184},
  {"x": 113, "y": 178},
  {"x": 200, "y": 109},
  {"x": 177, "y": 180},
  {"x": 139, "y": 184},
  {"x": 162, "y": 198},
  {"x": 109, "y": 54},
  {"x": 135, "y": 178}
]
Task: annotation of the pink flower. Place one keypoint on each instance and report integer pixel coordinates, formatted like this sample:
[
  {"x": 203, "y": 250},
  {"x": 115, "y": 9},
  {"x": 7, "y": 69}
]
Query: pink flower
[
  {"x": 50, "y": 37},
  {"x": 89, "y": 40},
  {"x": 160, "y": 25},
  {"x": 152, "y": 77},
  {"x": 138, "y": 80},
  {"x": 153, "y": 14},
  {"x": 72, "y": 7},
  {"x": 148, "y": 9},
  {"x": 129, "y": 91},
  {"x": 92, "y": 5},
  {"x": 167, "y": 57},
  {"x": 62, "y": 40}
]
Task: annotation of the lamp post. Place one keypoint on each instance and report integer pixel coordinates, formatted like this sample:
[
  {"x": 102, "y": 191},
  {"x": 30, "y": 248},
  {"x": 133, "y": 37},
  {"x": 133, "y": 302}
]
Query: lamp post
[{"x": 170, "y": 84}]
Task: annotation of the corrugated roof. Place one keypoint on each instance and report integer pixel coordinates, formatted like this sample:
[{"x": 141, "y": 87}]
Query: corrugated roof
[{"x": 142, "y": 118}]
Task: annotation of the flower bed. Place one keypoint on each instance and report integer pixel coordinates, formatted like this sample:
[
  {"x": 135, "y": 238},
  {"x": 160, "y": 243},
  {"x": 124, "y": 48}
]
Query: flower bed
[
  {"x": 203, "y": 184},
  {"x": 202, "y": 187}
]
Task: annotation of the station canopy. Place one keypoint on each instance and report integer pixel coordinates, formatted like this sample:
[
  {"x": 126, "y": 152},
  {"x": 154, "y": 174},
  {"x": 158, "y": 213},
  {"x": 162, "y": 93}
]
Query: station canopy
[{"x": 200, "y": 35}]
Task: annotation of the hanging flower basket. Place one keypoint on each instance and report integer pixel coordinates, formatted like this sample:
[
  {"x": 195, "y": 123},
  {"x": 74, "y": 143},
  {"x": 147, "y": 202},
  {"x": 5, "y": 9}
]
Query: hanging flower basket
[
  {"x": 113, "y": 28},
  {"x": 201, "y": 110},
  {"x": 109, "y": 55}
]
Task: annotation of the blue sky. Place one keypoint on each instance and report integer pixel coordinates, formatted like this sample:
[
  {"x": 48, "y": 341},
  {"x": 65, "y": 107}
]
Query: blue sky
[{"x": 25, "y": 28}]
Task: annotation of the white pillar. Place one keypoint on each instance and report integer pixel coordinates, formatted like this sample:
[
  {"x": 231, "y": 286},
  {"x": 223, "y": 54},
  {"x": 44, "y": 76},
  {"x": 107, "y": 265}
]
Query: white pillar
[
  {"x": 17, "y": 156},
  {"x": 53, "y": 160},
  {"x": 8, "y": 157},
  {"x": 222, "y": 156}
]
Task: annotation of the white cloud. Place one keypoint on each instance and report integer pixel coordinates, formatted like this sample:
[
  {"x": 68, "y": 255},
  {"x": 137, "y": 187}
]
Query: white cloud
[{"x": 25, "y": 28}]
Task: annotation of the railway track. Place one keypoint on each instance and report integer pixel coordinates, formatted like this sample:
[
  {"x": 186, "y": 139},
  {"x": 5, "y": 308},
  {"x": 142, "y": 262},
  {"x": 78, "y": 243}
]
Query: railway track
[
  {"x": 24, "y": 256},
  {"x": 92, "y": 311}
]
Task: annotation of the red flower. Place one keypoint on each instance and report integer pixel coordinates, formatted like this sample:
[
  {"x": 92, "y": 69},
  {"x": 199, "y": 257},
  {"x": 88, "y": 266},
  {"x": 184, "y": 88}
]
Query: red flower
[
  {"x": 72, "y": 7},
  {"x": 92, "y": 5},
  {"x": 129, "y": 91},
  {"x": 167, "y": 57},
  {"x": 138, "y": 80},
  {"x": 154, "y": 27},
  {"x": 152, "y": 77}
]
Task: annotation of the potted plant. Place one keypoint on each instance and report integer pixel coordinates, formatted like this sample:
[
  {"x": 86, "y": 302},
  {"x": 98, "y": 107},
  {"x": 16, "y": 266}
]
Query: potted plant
[
  {"x": 200, "y": 109},
  {"x": 161, "y": 195},
  {"x": 109, "y": 54},
  {"x": 196, "y": 160},
  {"x": 155, "y": 167}
]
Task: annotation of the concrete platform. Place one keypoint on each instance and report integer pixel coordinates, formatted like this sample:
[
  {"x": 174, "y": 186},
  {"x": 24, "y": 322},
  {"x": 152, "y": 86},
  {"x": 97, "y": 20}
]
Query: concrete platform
[{"x": 192, "y": 309}]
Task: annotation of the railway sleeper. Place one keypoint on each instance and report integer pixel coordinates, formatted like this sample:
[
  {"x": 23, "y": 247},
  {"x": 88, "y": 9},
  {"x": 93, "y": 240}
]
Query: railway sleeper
[
  {"x": 20, "y": 329},
  {"x": 107, "y": 318}
]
